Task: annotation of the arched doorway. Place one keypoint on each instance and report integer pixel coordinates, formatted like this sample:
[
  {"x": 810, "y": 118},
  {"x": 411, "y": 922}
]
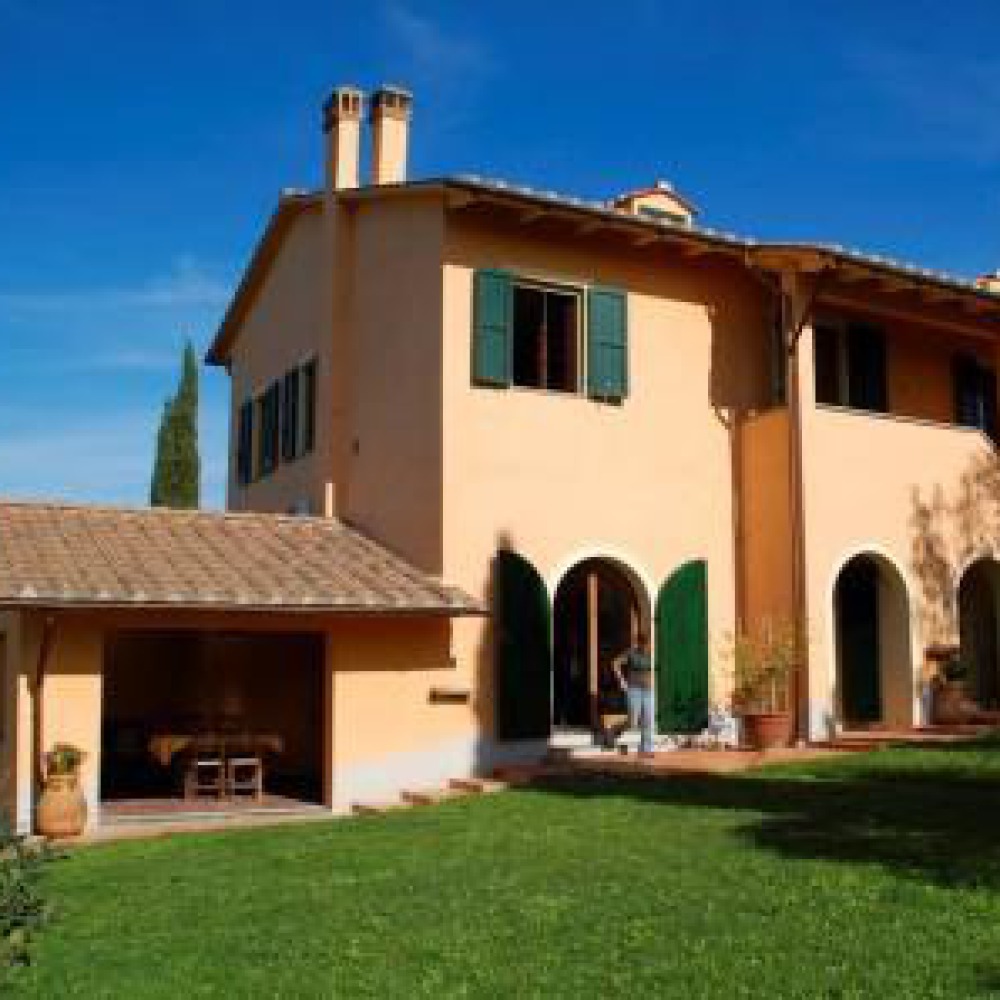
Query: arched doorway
[
  {"x": 978, "y": 620},
  {"x": 599, "y": 608},
  {"x": 874, "y": 660}
]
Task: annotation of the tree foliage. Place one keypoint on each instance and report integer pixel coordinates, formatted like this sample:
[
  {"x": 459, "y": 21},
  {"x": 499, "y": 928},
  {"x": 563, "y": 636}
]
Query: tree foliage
[{"x": 176, "y": 480}]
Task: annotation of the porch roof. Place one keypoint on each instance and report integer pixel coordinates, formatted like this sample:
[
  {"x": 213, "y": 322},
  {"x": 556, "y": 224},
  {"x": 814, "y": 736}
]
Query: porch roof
[{"x": 62, "y": 555}]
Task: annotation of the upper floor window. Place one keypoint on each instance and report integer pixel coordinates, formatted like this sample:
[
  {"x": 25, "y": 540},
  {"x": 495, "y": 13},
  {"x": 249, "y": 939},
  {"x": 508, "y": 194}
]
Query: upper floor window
[
  {"x": 309, "y": 406},
  {"x": 244, "y": 444},
  {"x": 290, "y": 416},
  {"x": 975, "y": 395},
  {"x": 279, "y": 426},
  {"x": 546, "y": 338},
  {"x": 267, "y": 443},
  {"x": 551, "y": 337},
  {"x": 850, "y": 366}
]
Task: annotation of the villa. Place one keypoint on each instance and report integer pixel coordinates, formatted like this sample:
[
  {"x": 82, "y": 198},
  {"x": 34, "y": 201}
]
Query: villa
[{"x": 481, "y": 436}]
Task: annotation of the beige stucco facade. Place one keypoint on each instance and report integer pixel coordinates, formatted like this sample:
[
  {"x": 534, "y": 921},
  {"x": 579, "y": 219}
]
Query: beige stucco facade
[{"x": 699, "y": 462}]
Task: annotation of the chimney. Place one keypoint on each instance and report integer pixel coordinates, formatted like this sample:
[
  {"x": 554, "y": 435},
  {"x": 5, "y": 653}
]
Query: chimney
[
  {"x": 390, "y": 121},
  {"x": 990, "y": 282},
  {"x": 342, "y": 125}
]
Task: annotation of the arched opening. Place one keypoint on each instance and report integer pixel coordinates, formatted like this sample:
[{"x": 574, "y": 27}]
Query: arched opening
[
  {"x": 874, "y": 660},
  {"x": 978, "y": 598},
  {"x": 598, "y": 610}
]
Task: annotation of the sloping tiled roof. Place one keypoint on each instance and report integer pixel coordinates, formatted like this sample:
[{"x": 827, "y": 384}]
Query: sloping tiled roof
[
  {"x": 55, "y": 555},
  {"x": 293, "y": 202}
]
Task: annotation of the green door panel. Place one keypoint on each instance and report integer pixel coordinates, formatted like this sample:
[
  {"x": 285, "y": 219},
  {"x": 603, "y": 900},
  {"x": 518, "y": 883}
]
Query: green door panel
[
  {"x": 523, "y": 652},
  {"x": 682, "y": 650}
]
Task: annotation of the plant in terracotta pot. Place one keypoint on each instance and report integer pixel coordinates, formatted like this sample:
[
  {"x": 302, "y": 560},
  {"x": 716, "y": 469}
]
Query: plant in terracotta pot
[
  {"x": 951, "y": 696},
  {"x": 763, "y": 663},
  {"x": 62, "y": 808}
]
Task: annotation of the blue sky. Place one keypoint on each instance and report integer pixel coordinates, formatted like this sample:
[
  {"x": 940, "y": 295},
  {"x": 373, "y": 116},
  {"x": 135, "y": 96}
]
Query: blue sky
[{"x": 142, "y": 147}]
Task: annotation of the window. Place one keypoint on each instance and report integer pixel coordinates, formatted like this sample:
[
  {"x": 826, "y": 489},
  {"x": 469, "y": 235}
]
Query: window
[
  {"x": 309, "y": 406},
  {"x": 290, "y": 416},
  {"x": 975, "y": 395},
  {"x": 850, "y": 366},
  {"x": 244, "y": 444},
  {"x": 267, "y": 450},
  {"x": 546, "y": 339},
  {"x": 530, "y": 334}
]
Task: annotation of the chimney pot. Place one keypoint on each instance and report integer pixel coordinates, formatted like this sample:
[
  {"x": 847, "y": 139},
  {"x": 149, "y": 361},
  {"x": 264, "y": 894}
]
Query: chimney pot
[
  {"x": 342, "y": 126},
  {"x": 391, "y": 108}
]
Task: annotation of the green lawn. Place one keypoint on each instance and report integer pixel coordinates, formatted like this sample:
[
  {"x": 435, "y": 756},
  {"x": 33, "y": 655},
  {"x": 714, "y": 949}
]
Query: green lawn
[{"x": 871, "y": 876}]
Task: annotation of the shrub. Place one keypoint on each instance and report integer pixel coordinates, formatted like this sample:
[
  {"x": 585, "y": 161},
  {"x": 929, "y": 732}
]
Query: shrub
[
  {"x": 762, "y": 664},
  {"x": 23, "y": 911},
  {"x": 63, "y": 758}
]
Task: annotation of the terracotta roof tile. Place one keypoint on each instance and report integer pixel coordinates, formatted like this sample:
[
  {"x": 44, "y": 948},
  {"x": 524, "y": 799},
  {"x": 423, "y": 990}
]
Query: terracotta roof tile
[{"x": 61, "y": 554}]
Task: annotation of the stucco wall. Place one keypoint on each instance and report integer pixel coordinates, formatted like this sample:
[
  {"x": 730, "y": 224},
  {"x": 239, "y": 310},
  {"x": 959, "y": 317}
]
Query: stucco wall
[
  {"x": 394, "y": 478},
  {"x": 388, "y": 732},
  {"x": 766, "y": 523},
  {"x": 559, "y": 477},
  {"x": 283, "y": 328}
]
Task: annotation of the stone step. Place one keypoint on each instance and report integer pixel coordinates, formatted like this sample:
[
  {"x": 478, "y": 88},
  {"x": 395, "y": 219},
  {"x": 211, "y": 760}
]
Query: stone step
[
  {"x": 478, "y": 786},
  {"x": 378, "y": 808},
  {"x": 431, "y": 796}
]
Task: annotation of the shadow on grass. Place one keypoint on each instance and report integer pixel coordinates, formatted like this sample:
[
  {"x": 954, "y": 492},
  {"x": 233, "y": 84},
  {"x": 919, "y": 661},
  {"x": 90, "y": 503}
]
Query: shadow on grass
[{"x": 934, "y": 821}]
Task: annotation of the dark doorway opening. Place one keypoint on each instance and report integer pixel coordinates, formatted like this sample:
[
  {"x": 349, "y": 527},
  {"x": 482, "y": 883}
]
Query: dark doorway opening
[
  {"x": 978, "y": 595},
  {"x": 597, "y": 615}
]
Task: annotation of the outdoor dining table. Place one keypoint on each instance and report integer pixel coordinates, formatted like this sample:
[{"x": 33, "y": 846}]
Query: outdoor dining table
[{"x": 165, "y": 746}]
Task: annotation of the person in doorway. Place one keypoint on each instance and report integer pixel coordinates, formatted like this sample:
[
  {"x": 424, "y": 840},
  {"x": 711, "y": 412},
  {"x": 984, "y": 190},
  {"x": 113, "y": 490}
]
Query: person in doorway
[{"x": 634, "y": 670}]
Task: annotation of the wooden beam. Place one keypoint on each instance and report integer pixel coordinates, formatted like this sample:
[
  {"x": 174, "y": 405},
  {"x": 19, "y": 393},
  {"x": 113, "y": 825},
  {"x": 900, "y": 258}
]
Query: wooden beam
[
  {"x": 460, "y": 199},
  {"x": 591, "y": 226},
  {"x": 531, "y": 215},
  {"x": 647, "y": 239}
]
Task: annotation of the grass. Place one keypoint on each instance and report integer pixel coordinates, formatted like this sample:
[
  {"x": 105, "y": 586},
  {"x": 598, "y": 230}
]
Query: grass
[{"x": 870, "y": 876}]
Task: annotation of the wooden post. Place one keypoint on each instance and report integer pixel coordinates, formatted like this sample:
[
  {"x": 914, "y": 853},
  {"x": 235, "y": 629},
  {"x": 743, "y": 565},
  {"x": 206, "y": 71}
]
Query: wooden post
[{"x": 593, "y": 648}]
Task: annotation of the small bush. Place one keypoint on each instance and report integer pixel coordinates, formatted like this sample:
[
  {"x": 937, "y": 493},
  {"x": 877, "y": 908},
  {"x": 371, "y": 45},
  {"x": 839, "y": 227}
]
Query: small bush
[{"x": 22, "y": 909}]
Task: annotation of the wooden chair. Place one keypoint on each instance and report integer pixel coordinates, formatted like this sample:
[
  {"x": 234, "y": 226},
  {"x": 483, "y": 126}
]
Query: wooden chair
[
  {"x": 205, "y": 775},
  {"x": 245, "y": 774}
]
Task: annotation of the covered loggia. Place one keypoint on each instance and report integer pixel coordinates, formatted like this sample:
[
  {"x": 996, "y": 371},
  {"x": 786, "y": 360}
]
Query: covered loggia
[
  {"x": 172, "y": 695},
  {"x": 874, "y": 663},
  {"x": 978, "y": 596}
]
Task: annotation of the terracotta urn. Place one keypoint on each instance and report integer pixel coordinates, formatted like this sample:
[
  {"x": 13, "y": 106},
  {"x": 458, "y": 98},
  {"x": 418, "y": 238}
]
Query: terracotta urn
[
  {"x": 951, "y": 704},
  {"x": 767, "y": 730},
  {"x": 62, "y": 808}
]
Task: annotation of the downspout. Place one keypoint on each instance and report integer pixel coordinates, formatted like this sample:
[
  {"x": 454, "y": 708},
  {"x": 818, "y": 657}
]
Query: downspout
[{"x": 45, "y": 647}]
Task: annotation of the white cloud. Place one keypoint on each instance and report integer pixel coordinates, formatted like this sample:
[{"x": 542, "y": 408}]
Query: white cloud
[
  {"x": 107, "y": 458},
  {"x": 434, "y": 52},
  {"x": 187, "y": 283}
]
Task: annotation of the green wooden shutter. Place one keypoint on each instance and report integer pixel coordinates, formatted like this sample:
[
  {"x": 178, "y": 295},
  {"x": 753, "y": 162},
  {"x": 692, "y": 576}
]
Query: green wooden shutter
[
  {"x": 607, "y": 344},
  {"x": 491, "y": 323},
  {"x": 523, "y": 652},
  {"x": 682, "y": 650}
]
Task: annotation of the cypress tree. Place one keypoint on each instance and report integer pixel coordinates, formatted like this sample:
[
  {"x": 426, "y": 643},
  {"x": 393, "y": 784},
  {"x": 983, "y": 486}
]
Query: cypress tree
[{"x": 176, "y": 478}]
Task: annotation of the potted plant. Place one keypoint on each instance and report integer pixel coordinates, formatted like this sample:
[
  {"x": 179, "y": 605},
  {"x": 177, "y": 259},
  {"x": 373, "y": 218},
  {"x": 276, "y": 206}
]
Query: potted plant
[
  {"x": 762, "y": 666},
  {"x": 951, "y": 697},
  {"x": 62, "y": 808}
]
